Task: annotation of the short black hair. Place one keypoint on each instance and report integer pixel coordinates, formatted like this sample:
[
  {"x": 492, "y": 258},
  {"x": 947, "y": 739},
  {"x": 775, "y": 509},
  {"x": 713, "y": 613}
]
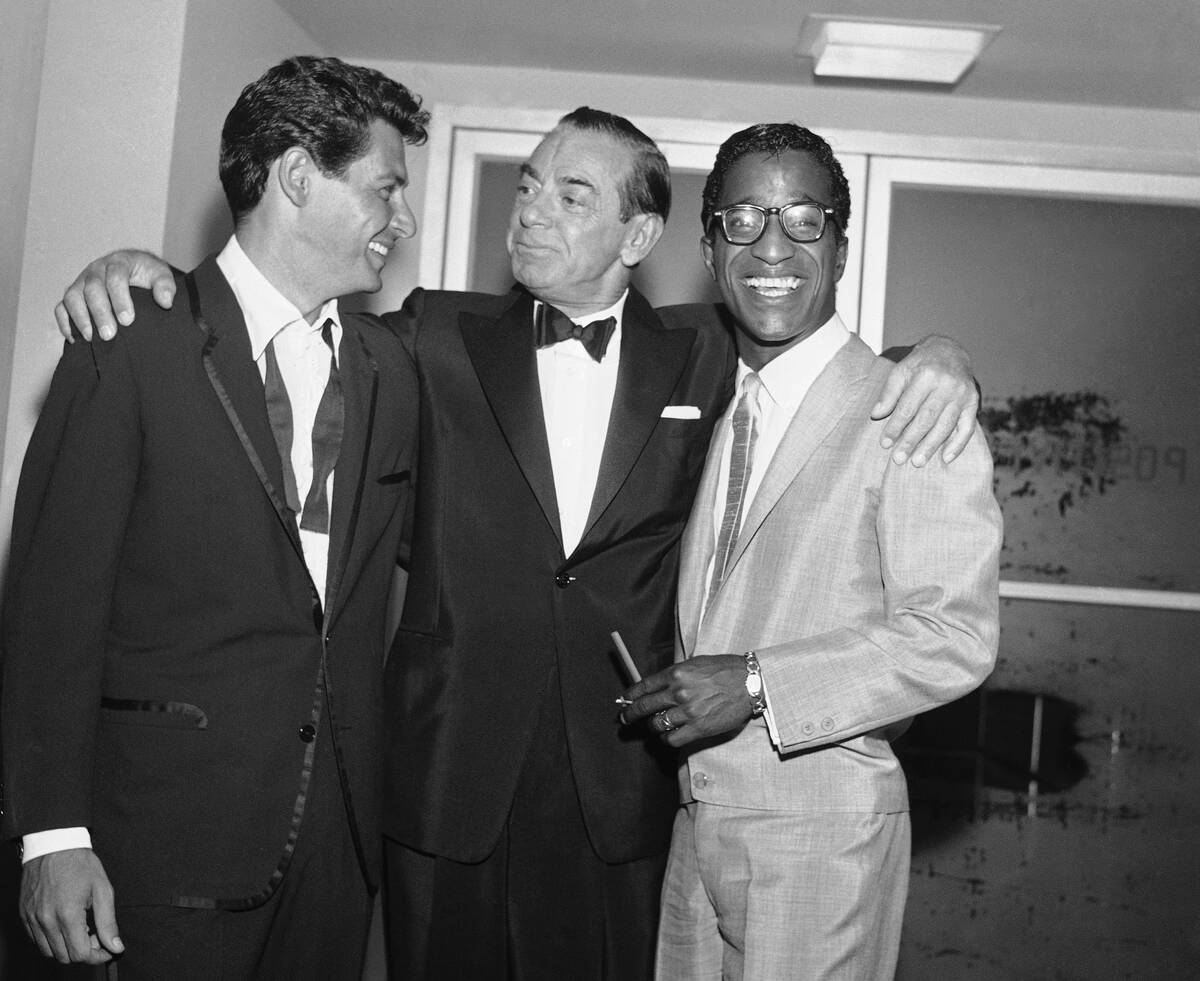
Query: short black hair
[
  {"x": 325, "y": 106},
  {"x": 646, "y": 190},
  {"x": 773, "y": 139}
]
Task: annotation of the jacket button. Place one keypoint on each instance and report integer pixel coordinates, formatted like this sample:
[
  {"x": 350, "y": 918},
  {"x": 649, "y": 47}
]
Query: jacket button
[
  {"x": 827, "y": 725},
  {"x": 562, "y": 580},
  {"x": 808, "y": 728},
  {"x": 308, "y": 732},
  {"x": 699, "y": 780}
]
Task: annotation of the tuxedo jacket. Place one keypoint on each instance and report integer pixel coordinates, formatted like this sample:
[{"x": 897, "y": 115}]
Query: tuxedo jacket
[
  {"x": 868, "y": 590},
  {"x": 494, "y": 607},
  {"x": 167, "y": 659}
]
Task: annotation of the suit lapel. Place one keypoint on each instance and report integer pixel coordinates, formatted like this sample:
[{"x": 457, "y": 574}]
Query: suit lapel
[
  {"x": 652, "y": 361},
  {"x": 235, "y": 379},
  {"x": 821, "y": 409},
  {"x": 502, "y": 354},
  {"x": 359, "y": 375}
]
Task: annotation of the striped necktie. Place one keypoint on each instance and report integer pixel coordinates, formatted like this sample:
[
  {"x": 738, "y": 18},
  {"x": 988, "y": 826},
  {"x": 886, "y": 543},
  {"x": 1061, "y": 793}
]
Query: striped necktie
[{"x": 741, "y": 462}]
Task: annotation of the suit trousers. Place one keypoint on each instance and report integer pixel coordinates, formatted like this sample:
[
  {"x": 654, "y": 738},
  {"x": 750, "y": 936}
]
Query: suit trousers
[
  {"x": 755, "y": 895},
  {"x": 541, "y": 907},
  {"x": 312, "y": 928}
]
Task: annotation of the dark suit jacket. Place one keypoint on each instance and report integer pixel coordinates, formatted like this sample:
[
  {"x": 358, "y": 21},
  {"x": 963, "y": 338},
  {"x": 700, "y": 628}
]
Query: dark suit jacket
[
  {"x": 164, "y": 643},
  {"x": 494, "y": 606}
]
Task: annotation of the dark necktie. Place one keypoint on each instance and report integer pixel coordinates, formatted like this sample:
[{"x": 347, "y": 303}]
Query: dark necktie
[
  {"x": 741, "y": 463},
  {"x": 552, "y": 326},
  {"x": 326, "y": 436},
  {"x": 326, "y": 442}
]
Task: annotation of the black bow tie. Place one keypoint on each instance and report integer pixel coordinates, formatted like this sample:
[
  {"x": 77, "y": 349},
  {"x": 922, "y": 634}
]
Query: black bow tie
[{"x": 551, "y": 326}]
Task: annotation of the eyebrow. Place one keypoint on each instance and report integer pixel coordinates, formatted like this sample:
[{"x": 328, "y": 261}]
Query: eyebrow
[{"x": 527, "y": 169}]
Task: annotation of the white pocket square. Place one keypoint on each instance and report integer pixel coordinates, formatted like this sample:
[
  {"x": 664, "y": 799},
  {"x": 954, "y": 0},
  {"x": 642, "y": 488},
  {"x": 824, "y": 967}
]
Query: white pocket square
[{"x": 681, "y": 412}]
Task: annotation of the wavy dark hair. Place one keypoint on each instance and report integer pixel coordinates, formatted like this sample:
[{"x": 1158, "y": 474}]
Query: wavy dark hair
[
  {"x": 325, "y": 106},
  {"x": 774, "y": 139},
  {"x": 646, "y": 189}
]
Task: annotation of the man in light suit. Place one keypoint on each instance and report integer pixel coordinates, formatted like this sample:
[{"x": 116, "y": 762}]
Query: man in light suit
[
  {"x": 205, "y": 533},
  {"x": 825, "y": 597},
  {"x": 526, "y": 833}
]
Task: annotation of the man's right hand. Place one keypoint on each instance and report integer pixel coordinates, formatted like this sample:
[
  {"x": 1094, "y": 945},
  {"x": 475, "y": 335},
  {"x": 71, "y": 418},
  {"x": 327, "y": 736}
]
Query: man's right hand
[
  {"x": 57, "y": 890},
  {"x": 100, "y": 294}
]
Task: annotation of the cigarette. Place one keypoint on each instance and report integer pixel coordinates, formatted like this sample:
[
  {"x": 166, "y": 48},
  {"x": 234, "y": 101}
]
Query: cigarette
[{"x": 630, "y": 668}]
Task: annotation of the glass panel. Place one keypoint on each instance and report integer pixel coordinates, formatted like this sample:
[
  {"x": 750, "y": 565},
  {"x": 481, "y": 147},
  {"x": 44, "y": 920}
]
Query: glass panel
[
  {"x": 1090, "y": 874},
  {"x": 1083, "y": 321}
]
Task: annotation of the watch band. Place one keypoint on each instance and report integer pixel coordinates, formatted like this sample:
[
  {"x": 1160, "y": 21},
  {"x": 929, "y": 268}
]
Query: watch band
[{"x": 754, "y": 685}]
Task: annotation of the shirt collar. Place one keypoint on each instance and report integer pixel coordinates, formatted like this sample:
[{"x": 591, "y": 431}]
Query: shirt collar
[
  {"x": 266, "y": 310},
  {"x": 787, "y": 378}
]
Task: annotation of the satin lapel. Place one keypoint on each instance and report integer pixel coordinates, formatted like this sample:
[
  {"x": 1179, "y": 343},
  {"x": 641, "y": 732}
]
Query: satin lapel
[
  {"x": 502, "y": 354},
  {"x": 359, "y": 375},
  {"x": 234, "y": 377},
  {"x": 821, "y": 409},
  {"x": 698, "y": 544},
  {"x": 652, "y": 360}
]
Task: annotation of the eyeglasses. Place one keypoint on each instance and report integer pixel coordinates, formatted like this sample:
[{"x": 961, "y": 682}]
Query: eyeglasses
[{"x": 801, "y": 221}]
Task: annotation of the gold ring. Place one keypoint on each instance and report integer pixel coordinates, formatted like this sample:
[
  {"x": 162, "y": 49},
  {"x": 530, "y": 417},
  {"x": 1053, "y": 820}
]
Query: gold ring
[{"x": 664, "y": 722}]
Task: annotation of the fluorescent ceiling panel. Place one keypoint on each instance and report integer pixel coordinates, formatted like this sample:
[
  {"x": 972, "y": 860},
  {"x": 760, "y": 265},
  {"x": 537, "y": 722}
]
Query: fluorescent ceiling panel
[{"x": 892, "y": 50}]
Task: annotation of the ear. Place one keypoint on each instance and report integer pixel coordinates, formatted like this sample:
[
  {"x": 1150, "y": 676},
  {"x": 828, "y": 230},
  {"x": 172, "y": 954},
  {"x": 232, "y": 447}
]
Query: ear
[
  {"x": 839, "y": 266},
  {"x": 642, "y": 235},
  {"x": 706, "y": 250},
  {"x": 295, "y": 173}
]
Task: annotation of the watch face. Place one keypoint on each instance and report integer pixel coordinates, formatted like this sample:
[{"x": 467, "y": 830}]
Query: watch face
[{"x": 754, "y": 684}]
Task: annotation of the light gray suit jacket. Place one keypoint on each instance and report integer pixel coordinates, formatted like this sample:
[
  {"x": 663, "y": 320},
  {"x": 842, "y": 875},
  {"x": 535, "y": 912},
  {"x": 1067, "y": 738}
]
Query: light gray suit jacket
[{"x": 868, "y": 590}]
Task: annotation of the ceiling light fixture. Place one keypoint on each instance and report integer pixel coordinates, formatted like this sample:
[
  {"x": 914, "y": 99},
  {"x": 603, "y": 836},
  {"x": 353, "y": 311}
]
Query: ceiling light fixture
[{"x": 892, "y": 50}]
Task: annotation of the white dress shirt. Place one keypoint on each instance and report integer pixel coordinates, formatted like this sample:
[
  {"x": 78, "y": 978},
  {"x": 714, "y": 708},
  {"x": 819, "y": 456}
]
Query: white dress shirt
[
  {"x": 303, "y": 360},
  {"x": 785, "y": 381},
  {"x": 577, "y": 397}
]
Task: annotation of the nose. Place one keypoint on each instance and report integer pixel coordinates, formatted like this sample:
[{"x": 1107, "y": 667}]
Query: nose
[
  {"x": 531, "y": 210},
  {"x": 773, "y": 246},
  {"x": 403, "y": 220}
]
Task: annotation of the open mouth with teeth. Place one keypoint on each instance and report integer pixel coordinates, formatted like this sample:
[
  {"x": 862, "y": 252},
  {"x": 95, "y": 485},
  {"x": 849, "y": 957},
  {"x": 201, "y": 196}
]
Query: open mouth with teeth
[
  {"x": 772, "y": 286},
  {"x": 378, "y": 248}
]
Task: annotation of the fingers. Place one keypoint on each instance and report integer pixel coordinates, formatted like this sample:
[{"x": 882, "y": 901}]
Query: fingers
[
  {"x": 116, "y": 284},
  {"x": 963, "y": 427},
  {"x": 893, "y": 386},
  {"x": 63, "y": 319},
  {"x": 913, "y": 416},
  {"x": 76, "y": 308},
  {"x": 104, "y": 914}
]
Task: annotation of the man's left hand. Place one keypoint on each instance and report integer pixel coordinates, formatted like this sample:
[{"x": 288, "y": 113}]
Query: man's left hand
[
  {"x": 931, "y": 400},
  {"x": 696, "y": 699}
]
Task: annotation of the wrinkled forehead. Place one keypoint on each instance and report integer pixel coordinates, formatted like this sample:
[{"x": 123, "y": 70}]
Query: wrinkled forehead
[{"x": 567, "y": 153}]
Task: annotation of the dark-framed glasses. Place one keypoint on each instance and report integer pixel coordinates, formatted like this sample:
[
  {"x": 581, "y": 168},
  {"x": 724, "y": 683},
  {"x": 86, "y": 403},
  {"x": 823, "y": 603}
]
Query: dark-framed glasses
[{"x": 801, "y": 221}]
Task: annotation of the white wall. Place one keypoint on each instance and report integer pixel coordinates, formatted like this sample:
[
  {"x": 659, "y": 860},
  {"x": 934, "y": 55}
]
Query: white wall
[
  {"x": 111, "y": 140},
  {"x": 100, "y": 159}
]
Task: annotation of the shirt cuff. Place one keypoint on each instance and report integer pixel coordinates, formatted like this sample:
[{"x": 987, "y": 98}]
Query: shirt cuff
[
  {"x": 55, "y": 840},
  {"x": 769, "y": 716}
]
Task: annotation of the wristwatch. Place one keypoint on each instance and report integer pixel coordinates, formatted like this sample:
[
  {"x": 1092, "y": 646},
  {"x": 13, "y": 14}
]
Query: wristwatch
[{"x": 754, "y": 685}]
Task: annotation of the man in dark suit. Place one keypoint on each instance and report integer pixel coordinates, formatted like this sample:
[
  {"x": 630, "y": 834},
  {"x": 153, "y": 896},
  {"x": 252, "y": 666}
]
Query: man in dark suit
[
  {"x": 526, "y": 831},
  {"x": 205, "y": 531}
]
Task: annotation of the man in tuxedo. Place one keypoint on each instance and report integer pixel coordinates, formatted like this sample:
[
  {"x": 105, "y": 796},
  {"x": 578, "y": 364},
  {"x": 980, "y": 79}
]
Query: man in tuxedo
[
  {"x": 205, "y": 531},
  {"x": 563, "y": 431},
  {"x": 825, "y": 597}
]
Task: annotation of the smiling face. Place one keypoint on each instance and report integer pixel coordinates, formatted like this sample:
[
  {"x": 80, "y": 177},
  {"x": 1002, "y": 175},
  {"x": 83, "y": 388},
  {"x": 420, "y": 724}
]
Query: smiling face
[
  {"x": 567, "y": 242},
  {"x": 779, "y": 291},
  {"x": 356, "y": 219}
]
